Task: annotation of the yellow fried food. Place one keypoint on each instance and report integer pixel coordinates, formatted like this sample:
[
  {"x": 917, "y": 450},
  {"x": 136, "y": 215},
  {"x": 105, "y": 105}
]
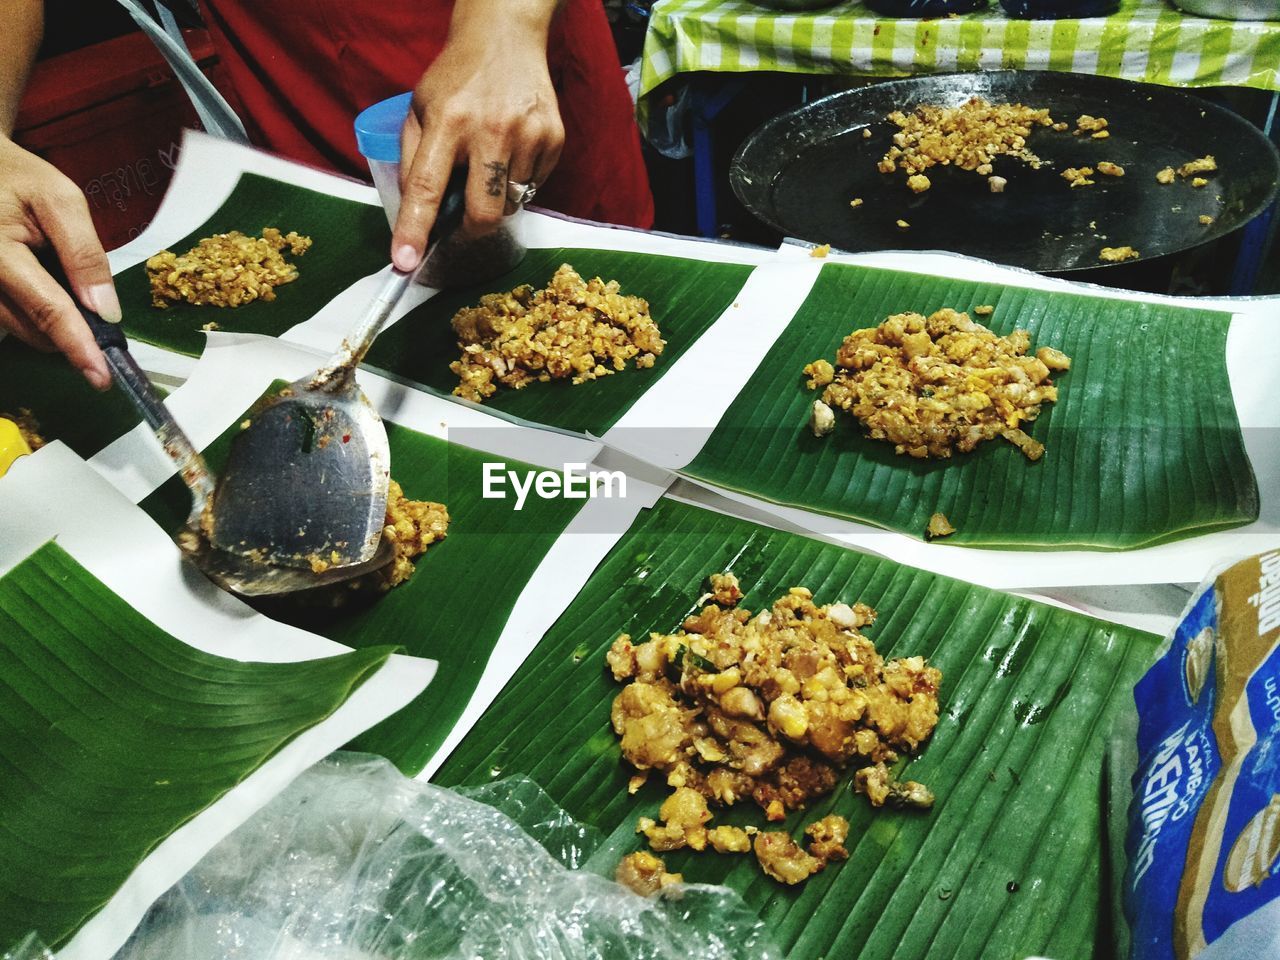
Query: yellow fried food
[
  {"x": 1118, "y": 254},
  {"x": 1078, "y": 176},
  {"x": 569, "y": 329},
  {"x": 225, "y": 270},
  {"x": 939, "y": 526},
  {"x": 411, "y": 527},
  {"x": 969, "y": 136},
  {"x": 931, "y": 386},
  {"x": 769, "y": 707},
  {"x": 1206, "y": 164},
  {"x": 644, "y": 873}
]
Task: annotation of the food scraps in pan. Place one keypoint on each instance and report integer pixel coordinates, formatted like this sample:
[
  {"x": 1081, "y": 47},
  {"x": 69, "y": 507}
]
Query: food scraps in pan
[
  {"x": 1078, "y": 176},
  {"x": 969, "y": 136},
  {"x": 1118, "y": 254},
  {"x": 931, "y": 386},
  {"x": 1089, "y": 124},
  {"x": 570, "y": 329},
  {"x": 226, "y": 270},
  {"x": 1206, "y": 164},
  {"x": 774, "y": 707}
]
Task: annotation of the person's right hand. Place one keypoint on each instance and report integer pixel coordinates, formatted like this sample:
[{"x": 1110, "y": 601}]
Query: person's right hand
[{"x": 39, "y": 206}]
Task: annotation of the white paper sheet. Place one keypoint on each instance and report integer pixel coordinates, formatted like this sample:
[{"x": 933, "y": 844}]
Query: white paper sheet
[
  {"x": 1151, "y": 607},
  {"x": 672, "y": 421},
  {"x": 122, "y": 547},
  {"x": 701, "y": 386}
]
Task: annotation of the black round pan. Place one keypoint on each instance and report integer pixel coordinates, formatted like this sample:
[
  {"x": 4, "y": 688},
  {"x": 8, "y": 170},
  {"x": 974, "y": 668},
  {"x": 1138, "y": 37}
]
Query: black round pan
[{"x": 799, "y": 171}]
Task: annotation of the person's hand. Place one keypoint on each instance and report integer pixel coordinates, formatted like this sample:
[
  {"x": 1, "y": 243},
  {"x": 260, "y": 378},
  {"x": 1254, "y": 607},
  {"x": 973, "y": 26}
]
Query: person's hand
[
  {"x": 486, "y": 101},
  {"x": 39, "y": 206}
]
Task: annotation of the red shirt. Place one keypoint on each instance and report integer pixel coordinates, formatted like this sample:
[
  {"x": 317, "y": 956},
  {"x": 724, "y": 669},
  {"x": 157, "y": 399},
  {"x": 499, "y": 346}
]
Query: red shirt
[{"x": 303, "y": 69}]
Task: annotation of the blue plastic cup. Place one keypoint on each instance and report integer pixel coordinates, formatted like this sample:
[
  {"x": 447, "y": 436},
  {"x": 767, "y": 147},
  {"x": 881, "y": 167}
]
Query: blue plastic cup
[{"x": 378, "y": 137}]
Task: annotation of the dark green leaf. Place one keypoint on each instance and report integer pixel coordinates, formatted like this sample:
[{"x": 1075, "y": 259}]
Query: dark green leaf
[
  {"x": 1142, "y": 446},
  {"x": 351, "y": 240},
  {"x": 113, "y": 734},
  {"x": 685, "y": 298},
  {"x": 1016, "y": 761}
]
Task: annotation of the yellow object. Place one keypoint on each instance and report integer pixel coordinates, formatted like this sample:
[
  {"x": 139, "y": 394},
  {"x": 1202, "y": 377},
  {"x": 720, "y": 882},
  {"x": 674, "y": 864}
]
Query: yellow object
[{"x": 12, "y": 446}]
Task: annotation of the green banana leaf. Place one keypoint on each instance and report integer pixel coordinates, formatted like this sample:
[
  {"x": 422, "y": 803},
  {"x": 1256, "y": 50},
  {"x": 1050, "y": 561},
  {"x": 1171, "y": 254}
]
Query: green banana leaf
[
  {"x": 352, "y": 240},
  {"x": 453, "y": 609},
  {"x": 1008, "y": 862},
  {"x": 685, "y": 298},
  {"x": 113, "y": 734},
  {"x": 1142, "y": 446},
  {"x": 66, "y": 407}
]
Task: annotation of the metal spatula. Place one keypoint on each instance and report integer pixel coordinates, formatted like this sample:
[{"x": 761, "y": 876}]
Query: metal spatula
[{"x": 303, "y": 496}]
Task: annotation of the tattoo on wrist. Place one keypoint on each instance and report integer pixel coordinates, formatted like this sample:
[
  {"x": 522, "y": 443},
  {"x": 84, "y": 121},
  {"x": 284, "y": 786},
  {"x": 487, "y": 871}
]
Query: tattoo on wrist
[{"x": 496, "y": 185}]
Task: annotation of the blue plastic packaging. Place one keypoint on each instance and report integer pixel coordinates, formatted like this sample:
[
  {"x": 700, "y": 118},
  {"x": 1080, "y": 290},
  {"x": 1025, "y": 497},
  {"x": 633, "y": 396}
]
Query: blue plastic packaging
[
  {"x": 924, "y": 8},
  {"x": 1059, "y": 9},
  {"x": 1203, "y": 846}
]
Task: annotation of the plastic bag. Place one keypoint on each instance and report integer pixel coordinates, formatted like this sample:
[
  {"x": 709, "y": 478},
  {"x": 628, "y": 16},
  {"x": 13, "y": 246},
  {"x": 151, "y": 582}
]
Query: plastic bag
[
  {"x": 1200, "y": 871},
  {"x": 29, "y": 948},
  {"x": 354, "y": 861},
  {"x": 1059, "y": 9},
  {"x": 924, "y": 8}
]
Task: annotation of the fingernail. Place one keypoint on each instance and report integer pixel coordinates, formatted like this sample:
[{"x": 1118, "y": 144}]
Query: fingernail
[
  {"x": 98, "y": 375},
  {"x": 405, "y": 257},
  {"x": 104, "y": 302}
]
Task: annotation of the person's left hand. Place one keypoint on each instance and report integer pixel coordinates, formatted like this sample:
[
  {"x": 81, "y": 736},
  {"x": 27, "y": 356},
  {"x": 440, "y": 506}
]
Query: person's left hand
[{"x": 485, "y": 102}]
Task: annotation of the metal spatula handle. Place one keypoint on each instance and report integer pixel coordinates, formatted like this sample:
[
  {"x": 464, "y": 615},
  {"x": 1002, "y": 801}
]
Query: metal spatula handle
[
  {"x": 135, "y": 385},
  {"x": 128, "y": 376},
  {"x": 342, "y": 365}
]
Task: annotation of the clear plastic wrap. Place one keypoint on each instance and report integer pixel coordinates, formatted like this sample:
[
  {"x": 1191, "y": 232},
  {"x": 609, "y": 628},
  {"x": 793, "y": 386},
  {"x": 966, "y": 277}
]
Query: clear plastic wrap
[
  {"x": 355, "y": 861},
  {"x": 29, "y": 948}
]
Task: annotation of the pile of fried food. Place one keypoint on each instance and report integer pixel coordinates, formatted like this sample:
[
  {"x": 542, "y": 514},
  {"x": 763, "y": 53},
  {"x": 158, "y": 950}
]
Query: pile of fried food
[
  {"x": 411, "y": 527},
  {"x": 226, "y": 270},
  {"x": 934, "y": 385},
  {"x": 571, "y": 328},
  {"x": 771, "y": 707},
  {"x": 969, "y": 136}
]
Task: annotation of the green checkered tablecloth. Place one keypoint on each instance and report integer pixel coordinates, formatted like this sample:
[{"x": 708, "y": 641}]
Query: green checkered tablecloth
[{"x": 1146, "y": 40}]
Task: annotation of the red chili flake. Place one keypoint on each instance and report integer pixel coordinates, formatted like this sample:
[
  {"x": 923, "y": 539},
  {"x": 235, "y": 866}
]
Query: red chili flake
[{"x": 346, "y": 438}]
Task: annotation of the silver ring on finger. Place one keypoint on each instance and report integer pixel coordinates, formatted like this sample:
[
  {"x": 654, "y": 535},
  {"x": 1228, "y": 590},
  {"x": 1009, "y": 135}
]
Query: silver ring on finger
[{"x": 520, "y": 193}]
